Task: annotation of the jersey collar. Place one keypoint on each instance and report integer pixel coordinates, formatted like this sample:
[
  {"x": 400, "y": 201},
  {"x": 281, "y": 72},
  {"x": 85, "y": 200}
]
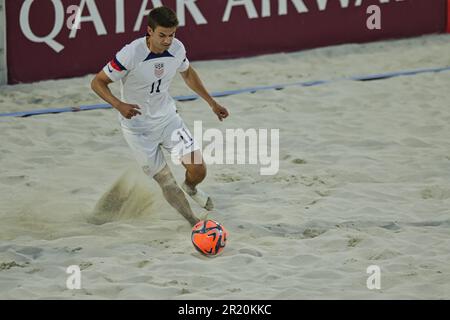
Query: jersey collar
[{"x": 153, "y": 55}]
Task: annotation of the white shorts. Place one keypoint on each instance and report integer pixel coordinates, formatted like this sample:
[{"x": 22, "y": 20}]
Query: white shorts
[{"x": 175, "y": 137}]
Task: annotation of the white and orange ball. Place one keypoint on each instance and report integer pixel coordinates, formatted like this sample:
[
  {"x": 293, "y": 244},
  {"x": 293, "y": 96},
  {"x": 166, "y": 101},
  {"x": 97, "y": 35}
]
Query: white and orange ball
[{"x": 209, "y": 237}]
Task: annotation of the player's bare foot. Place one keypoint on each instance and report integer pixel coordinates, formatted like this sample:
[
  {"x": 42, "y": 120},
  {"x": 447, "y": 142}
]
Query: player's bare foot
[{"x": 200, "y": 197}]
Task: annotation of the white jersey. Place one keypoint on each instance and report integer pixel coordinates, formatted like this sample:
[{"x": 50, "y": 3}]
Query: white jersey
[{"x": 145, "y": 79}]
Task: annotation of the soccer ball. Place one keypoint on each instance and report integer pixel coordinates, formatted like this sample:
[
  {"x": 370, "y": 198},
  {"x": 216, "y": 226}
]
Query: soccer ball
[{"x": 209, "y": 237}]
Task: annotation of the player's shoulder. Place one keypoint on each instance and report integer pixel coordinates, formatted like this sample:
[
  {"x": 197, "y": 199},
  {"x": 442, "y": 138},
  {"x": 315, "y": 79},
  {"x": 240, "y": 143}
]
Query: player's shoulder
[
  {"x": 177, "y": 48},
  {"x": 135, "y": 50}
]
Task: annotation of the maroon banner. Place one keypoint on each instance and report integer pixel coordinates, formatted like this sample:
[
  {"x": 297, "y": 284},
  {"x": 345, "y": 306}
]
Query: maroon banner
[
  {"x": 44, "y": 43},
  {"x": 448, "y": 16}
]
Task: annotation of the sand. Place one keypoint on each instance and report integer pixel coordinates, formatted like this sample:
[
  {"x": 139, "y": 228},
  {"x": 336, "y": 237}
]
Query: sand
[{"x": 363, "y": 180}]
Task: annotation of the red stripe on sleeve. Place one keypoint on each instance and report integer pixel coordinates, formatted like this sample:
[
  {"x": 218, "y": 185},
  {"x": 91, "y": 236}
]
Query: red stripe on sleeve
[{"x": 115, "y": 66}]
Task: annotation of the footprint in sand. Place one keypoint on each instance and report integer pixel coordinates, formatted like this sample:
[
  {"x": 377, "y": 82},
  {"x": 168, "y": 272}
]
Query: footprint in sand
[
  {"x": 252, "y": 252},
  {"x": 13, "y": 179},
  {"x": 21, "y": 141},
  {"x": 298, "y": 161},
  {"x": 435, "y": 193},
  {"x": 12, "y": 264}
]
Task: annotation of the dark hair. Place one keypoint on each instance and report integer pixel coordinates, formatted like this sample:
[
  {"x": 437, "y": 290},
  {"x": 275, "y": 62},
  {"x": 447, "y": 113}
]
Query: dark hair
[{"x": 163, "y": 17}]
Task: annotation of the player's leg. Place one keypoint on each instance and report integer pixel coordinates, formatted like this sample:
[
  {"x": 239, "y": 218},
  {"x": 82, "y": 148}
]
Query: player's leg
[
  {"x": 180, "y": 143},
  {"x": 195, "y": 168},
  {"x": 195, "y": 174},
  {"x": 148, "y": 154},
  {"x": 174, "y": 195}
]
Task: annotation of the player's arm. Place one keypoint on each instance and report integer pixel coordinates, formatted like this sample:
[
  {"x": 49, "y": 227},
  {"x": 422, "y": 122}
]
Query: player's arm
[
  {"x": 193, "y": 81},
  {"x": 100, "y": 85}
]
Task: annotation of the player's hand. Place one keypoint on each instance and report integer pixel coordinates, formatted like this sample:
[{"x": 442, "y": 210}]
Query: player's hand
[
  {"x": 220, "y": 111},
  {"x": 128, "y": 110}
]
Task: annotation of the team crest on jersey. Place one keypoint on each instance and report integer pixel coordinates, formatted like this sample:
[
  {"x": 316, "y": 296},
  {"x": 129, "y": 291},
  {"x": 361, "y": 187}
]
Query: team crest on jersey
[{"x": 159, "y": 69}]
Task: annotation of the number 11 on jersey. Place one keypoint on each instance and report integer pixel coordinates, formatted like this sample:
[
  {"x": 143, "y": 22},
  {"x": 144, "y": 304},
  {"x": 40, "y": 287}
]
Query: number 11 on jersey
[{"x": 157, "y": 87}]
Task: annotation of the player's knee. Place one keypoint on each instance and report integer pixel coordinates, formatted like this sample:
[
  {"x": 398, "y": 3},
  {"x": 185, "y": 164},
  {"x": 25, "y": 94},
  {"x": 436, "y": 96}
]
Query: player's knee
[
  {"x": 164, "y": 176},
  {"x": 197, "y": 173},
  {"x": 200, "y": 171}
]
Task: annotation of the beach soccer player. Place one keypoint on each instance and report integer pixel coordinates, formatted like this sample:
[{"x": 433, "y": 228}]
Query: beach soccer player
[{"x": 148, "y": 114}]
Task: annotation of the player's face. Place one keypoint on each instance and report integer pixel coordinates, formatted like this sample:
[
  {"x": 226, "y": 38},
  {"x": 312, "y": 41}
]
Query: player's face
[{"x": 162, "y": 37}]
